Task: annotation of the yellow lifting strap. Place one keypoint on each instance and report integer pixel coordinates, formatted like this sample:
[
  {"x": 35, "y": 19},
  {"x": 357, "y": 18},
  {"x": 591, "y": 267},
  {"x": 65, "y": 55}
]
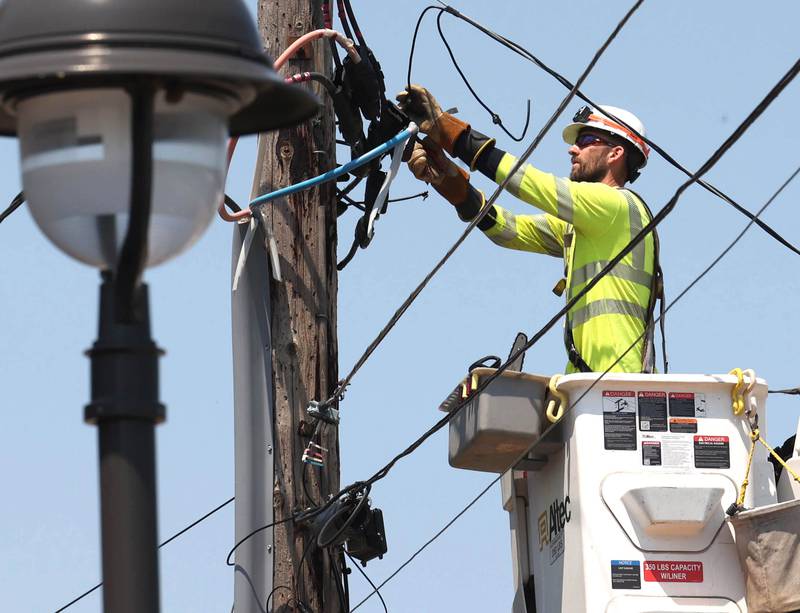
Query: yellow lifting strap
[{"x": 556, "y": 397}]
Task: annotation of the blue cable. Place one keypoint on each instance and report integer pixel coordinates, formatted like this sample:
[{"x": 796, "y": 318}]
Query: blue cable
[{"x": 336, "y": 172}]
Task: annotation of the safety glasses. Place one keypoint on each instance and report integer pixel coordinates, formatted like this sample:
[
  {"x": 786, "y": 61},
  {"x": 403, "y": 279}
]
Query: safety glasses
[{"x": 585, "y": 140}]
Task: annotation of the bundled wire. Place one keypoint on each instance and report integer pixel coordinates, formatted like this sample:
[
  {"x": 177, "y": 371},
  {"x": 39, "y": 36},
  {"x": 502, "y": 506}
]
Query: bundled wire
[{"x": 179, "y": 533}]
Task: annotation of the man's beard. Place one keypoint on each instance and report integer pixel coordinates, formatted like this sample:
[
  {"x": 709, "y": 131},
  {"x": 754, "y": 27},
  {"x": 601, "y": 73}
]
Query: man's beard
[{"x": 593, "y": 174}]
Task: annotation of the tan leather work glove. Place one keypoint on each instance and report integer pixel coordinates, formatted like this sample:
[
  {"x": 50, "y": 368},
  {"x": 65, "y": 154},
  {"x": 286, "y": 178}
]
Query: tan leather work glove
[
  {"x": 429, "y": 163},
  {"x": 420, "y": 105}
]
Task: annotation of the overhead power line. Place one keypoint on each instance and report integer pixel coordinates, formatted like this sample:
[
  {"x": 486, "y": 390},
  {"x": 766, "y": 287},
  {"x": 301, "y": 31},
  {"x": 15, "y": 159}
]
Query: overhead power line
[{"x": 169, "y": 540}]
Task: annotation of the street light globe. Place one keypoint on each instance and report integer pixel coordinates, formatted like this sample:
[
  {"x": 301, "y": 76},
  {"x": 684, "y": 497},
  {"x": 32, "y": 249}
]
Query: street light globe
[{"x": 76, "y": 169}]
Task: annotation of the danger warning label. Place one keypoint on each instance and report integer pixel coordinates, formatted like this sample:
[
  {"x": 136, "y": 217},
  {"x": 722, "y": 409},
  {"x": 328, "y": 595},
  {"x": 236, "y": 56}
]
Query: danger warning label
[
  {"x": 673, "y": 571},
  {"x": 619, "y": 420},
  {"x": 712, "y": 452},
  {"x": 653, "y": 411},
  {"x": 687, "y": 404}
]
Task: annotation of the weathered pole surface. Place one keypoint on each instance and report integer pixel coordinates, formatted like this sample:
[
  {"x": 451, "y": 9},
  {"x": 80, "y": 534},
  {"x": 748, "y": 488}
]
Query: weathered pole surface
[{"x": 303, "y": 310}]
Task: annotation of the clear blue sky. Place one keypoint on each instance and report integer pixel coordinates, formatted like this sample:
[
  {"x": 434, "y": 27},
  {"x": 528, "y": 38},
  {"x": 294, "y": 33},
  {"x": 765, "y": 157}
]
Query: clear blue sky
[{"x": 690, "y": 70}]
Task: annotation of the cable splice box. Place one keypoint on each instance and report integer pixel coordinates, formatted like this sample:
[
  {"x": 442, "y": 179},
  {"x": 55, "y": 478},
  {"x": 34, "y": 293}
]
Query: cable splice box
[{"x": 497, "y": 424}]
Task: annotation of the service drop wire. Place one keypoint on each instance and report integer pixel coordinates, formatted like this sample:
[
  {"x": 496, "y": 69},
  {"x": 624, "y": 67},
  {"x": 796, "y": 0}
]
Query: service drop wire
[
  {"x": 524, "y": 53},
  {"x": 179, "y": 533},
  {"x": 17, "y": 202},
  {"x": 496, "y": 119},
  {"x": 707, "y": 166},
  {"x": 485, "y": 211}
]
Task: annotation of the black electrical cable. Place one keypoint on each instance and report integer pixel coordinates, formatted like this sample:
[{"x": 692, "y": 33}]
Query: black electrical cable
[
  {"x": 520, "y": 50},
  {"x": 350, "y": 202},
  {"x": 256, "y": 531},
  {"x": 338, "y": 577},
  {"x": 133, "y": 254},
  {"x": 488, "y": 207},
  {"x": 317, "y": 77},
  {"x": 169, "y": 540},
  {"x": 792, "y": 391},
  {"x": 298, "y": 571},
  {"x": 352, "y": 17},
  {"x": 350, "y": 186},
  {"x": 16, "y": 202},
  {"x": 424, "y": 195},
  {"x": 346, "y": 582},
  {"x": 231, "y": 204},
  {"x": 496, "y": 119},
  {"x": 375, "y": 589},
  {"x": 414, "y": 40},
  {"x": 343, "y": 19},
  {"x": 275, "y": 589},
  {"x": 321, "y": 543},
  {"x": 340, "y": 265},
  {"x": 532, "y": 447}
]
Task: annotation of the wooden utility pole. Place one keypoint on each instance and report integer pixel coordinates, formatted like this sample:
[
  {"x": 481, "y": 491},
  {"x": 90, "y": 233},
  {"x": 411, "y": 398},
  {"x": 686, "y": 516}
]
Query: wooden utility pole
[{"x": 303, "y": 311}]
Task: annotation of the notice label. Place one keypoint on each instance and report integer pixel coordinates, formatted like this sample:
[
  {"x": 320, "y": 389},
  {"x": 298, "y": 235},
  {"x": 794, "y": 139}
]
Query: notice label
[
  {"x": 683, "y": 424},
  {"x": 619, "y": 420},
  {"x": 653, "y": 411},
  {"x": 625, "y": 575},
  {"x": 673, "y": 571},
  {"x": 687, "y": 404},
  {"x": 651, "y": 453},
  {"x": 676, "y": 451},
  {"x": 712, "y": 452}
]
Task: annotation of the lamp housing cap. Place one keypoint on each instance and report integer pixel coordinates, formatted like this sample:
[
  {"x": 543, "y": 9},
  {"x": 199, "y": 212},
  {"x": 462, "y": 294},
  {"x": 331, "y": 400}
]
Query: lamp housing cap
[{"x": 82, "y": 43}]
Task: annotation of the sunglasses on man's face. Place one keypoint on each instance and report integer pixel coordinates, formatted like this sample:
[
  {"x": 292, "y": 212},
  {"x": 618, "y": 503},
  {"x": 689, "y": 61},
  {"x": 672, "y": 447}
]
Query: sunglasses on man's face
[{"x": 585, "y": 140}]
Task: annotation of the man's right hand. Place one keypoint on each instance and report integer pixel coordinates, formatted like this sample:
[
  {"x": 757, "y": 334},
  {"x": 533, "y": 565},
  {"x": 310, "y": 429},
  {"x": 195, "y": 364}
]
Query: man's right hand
[
  {"x": 442, "y": 128},
  {"x": 420, "y": 105}
]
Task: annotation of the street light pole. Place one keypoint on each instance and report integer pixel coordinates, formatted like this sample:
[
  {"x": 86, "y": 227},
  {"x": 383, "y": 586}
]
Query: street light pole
[{"x": 125, "y": 406}]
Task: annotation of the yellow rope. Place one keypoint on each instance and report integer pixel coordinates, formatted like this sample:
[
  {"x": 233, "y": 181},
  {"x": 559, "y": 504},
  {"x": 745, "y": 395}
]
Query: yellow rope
[{"x": 754, "y": 436}]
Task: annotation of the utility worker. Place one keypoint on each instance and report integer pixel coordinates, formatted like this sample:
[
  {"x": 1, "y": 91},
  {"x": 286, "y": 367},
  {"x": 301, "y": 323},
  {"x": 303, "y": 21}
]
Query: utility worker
[{"x": 588, "y": 219}]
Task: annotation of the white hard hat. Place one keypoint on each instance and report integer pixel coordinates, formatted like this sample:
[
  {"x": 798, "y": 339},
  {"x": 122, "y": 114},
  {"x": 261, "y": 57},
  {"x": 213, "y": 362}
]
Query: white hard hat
[{"x": 587, "y": 117}]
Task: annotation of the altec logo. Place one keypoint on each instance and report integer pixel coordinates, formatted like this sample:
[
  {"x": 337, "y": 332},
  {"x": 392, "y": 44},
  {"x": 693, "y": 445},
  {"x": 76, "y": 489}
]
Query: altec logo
[{"x": 552, "y": 521}]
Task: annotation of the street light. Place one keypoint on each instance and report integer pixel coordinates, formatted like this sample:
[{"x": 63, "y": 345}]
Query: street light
[{"x": 122, "y": 109}]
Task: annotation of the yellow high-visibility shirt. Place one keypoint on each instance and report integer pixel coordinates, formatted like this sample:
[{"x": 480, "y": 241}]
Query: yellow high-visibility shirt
[{"x": 587, "y": 224}]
